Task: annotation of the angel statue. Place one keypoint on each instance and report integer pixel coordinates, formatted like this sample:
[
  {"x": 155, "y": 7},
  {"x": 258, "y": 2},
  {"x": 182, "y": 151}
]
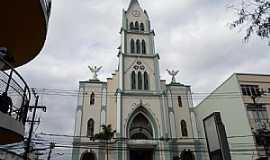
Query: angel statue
[
  {"x": 173, "y": 74},
  {"x": 95, "y": 70}
]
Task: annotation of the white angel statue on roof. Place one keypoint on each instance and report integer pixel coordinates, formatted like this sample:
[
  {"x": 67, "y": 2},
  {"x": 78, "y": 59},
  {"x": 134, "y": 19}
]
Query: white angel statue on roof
[
  {"x": 94, "y": 71},
  {"x": 173, "y": 73}
]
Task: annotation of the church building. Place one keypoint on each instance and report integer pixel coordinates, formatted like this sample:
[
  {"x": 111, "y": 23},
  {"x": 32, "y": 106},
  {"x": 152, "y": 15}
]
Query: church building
[{"x": 151, "y": 118}]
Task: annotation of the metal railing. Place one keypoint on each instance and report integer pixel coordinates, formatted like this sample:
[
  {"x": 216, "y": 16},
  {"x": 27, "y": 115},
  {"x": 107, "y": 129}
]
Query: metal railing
[
  {"x": 47, "y": 4},
  {"x": 17, "y": 90},
  {"x": 259, "y": 123}
]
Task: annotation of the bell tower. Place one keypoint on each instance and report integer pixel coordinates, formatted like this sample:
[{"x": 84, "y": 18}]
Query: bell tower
[
  {"x": 134, "y": 101},
  {"x": 139, "y": 67}
]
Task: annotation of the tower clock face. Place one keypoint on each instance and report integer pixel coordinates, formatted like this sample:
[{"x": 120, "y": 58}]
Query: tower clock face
[{"x": 136, "y": 13}]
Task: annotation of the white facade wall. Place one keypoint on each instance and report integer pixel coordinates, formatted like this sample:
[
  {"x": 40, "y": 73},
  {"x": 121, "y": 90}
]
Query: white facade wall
[
  {"x": 181, "y": 112},
  {"x": 149, "y": 65},
  {"x": 233, "y": 115},
  {"x": 91, "y": 111}
]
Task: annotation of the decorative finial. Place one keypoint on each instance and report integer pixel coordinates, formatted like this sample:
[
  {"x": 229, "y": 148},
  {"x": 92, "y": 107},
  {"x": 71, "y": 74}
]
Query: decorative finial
[
  {"x": 94, "y": 71},
  {"x": 173, "y": 73}
]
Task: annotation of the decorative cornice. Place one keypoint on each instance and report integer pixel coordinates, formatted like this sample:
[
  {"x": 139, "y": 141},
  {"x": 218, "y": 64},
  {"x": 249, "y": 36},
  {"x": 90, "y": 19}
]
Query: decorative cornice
[
  {"x": 177, "y": 85},
  {"x": 139, "y": 55},
  {"x": 141, "y": 93},
  {"x": 137, "y": 32},
  {"x": 93, "y": 81}
]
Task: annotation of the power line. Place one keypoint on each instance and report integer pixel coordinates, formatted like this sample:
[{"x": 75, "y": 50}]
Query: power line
[
  {"x": 44, "y": 90},
  {"x": 101, "y": 146},
  {"x": 117, "y": 148},
  {"x": 145, "y": 96},
  {"x": 121, "y": 138},
  {"x": 93, "y": 143},
  {"x": 199, "y": 95},
  {"x": 64, "y": 135}
]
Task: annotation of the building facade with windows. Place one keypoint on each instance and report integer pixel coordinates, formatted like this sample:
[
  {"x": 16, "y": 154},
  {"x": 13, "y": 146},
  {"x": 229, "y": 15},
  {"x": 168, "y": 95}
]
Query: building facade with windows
[
  {"x": 151, "y": 118},
  {"x": 244, "y": 103},
  {"x": 22, "y": 38}
]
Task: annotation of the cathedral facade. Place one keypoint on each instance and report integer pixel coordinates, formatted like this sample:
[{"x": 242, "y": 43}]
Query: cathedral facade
[{"x": 151, "y": 119}]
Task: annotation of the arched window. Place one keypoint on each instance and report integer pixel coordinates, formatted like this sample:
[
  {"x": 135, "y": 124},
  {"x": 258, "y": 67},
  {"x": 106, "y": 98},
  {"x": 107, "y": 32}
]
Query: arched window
[
  {"x": 90, "y": 127},
  {"x": 131, "y": 26},
  {"x": 92, "y": 98},
  {"x": 184, "y": 128},
  {"x": 132, "y": 46},
  {"x": 139, "y": 80},
  {"x": 133, "y": 80},
  {"x": 138, "y": 46},
  {"x": 142, "y": 26},
  {"x": 146, "y": 85},
  {"x": 179, "y": 101},
  {"x": 143, "y": 47},
  {"x": 136, "y": 26}
]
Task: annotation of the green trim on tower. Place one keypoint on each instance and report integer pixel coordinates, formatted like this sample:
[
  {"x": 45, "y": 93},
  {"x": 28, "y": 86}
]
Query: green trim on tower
[{"x": 124, "y": 20}]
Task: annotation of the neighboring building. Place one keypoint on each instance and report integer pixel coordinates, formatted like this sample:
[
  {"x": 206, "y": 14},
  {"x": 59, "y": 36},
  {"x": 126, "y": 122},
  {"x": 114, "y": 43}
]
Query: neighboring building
[
  {"x": 8, "y": 155},
  {"x": 152, "y": 117},
  {"x": 23, "y": 29},
  {"x": 23, "y": 32},
  {"x": 241, "y": 116}
]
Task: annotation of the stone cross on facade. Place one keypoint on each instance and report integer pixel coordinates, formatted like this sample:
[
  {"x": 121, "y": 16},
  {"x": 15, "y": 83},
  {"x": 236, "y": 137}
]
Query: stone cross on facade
[
  {"x": 173, "y": 73},
  {"x": 94, "y": 71}
]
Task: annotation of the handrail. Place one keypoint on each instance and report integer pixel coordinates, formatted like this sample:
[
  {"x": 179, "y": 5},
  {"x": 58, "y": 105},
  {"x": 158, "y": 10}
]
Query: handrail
[
  {"x": 47, "y": 4},
  {"x": 13, "y": 69},
  {"x": 17, "y": 90}
]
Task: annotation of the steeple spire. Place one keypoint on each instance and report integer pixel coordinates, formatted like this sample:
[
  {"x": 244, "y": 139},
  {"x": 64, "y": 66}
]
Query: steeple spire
[{"x": 133, "y": 2}]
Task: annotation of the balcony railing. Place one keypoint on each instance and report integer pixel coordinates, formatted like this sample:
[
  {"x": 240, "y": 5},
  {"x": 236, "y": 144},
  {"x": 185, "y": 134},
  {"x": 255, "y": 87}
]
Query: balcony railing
[
  {"x": 259, "y": 123},
  {"x": 46, "y": 5},
  {"x": 17, "y": 90}
]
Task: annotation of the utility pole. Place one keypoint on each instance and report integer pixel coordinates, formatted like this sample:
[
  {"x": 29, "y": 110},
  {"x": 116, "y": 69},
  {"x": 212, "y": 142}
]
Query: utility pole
[
  {"x": 107, "y": 149},
  {"x": 28, "y": 142},
  {"x": 52, "y": 145}
]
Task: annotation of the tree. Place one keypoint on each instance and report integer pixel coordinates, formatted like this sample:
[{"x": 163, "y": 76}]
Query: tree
[
  {"x": 187, "y": 155},
  {"x": 254, "y": 15},
  {"x": 107, "y": 134}
]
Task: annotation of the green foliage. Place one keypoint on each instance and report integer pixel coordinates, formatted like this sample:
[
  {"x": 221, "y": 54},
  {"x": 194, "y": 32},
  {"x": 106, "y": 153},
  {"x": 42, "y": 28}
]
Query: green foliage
[
  {"x": 187, "y": 155},
  {"x": 106, "y": 134},
  {"x": 254, "y": 15}
]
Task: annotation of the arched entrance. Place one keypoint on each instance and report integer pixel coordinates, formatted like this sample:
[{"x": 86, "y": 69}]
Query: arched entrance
[
  {"x": 88, "y": 156},
  {"x": 141, "y": 128}
]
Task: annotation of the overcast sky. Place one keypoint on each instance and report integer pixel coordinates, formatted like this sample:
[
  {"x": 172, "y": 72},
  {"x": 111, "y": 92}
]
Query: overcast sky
[{"x": 192, "y": 36}]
